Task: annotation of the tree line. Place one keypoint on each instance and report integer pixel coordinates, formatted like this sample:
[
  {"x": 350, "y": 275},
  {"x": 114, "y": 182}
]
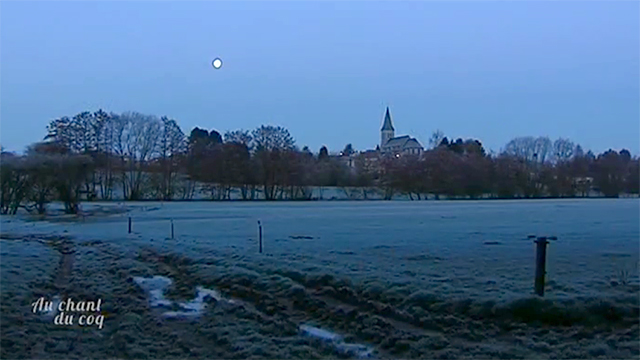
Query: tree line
[
  {"x": 107, "y": 156},
  {"x": 528, "y": 167}
]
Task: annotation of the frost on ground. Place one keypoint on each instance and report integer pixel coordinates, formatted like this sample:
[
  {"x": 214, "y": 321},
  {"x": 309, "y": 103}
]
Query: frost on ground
[
  {"x": 410, "y": 280},
  {"x": 337, "y": 341}
]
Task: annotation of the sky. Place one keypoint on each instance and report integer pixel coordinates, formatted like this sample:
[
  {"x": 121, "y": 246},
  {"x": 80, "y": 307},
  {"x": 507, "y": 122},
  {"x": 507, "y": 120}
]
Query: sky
[{"x": 327, "y": 70}]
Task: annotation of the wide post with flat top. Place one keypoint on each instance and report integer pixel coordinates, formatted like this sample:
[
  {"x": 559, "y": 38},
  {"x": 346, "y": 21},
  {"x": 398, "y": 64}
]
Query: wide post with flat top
[{"x": 541, "y": 259}]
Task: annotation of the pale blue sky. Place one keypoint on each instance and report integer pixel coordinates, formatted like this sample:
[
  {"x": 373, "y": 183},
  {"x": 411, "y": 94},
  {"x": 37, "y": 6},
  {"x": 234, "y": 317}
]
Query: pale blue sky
[{"x": 326, "y": 70}]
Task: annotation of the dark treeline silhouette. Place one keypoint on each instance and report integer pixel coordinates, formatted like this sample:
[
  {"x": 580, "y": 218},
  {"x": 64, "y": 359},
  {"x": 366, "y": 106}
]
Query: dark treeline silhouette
[{"x": 131, "y": 156}]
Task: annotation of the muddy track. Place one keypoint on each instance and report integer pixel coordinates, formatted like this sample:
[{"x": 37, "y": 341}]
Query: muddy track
[
  {"x": 64, "y": 245},
  {"x": 391, "y": 331},
  {"x": 425, "y": 331},
  {"x": 272, "y": 316},
  {"x": 60, "y": 284}
]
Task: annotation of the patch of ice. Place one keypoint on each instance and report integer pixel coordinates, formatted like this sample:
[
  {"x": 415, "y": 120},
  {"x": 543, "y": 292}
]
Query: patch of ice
[
  {"x": 198, "y": 303},
  {"x": 320, "y": 333},
  {"x": 180, "y": 314},
  {"x": 156, "y": 286},
  {"x": 337, "y": 341}
]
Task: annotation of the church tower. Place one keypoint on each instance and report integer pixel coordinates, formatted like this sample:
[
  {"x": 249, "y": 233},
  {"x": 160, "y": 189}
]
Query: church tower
[{"x": 387, "y": 131}]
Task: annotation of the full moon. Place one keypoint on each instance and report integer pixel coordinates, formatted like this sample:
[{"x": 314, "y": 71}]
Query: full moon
[{"x": 217, "y": 63}]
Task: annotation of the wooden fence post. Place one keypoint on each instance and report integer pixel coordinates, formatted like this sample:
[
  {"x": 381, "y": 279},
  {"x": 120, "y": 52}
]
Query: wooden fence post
[
  {"x": 260, "y": 235},
  {"x": 541, "y": 259}
]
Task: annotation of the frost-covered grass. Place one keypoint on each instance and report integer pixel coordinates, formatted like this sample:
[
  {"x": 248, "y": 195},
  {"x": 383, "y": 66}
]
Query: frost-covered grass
[
  {"x": 435, "y": 245},
  {"x": 413, "y": 279}
]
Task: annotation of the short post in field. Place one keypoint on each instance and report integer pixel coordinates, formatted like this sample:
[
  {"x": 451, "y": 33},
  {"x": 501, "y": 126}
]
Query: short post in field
[
  {"x": 260, "y": 235},
  {"x": 129, "y": 224},
  {"x": 541, "y": 259},
  {"x": 171, "y": 229}
]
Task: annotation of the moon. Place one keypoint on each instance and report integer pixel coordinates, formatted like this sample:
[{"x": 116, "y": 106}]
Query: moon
[{"x": 217, "y": 63}]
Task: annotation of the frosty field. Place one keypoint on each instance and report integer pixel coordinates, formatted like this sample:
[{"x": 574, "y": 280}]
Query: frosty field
[{"x": 423, "y": 279}]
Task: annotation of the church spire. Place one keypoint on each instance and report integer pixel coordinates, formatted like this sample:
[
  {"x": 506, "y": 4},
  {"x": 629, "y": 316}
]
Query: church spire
[{"x": 387, "y": 125}]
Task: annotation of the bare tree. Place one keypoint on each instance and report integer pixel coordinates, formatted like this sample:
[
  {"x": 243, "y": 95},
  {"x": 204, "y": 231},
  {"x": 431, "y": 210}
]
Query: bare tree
[
  {"x": 105, "y": 159},
  {"x": 239, "y": 136},
  {"x": 364, "y": 176},
  {"x": 14, "y": 183},
  {"x": 61, "y": 131},
  {"x": 442, "y": 165},
  {"x": 297, "y": 174},
  {"x": 522, "y": 148},
  {"x": 271, "y": 143},
  {"x": 237, "y": 152},
  {"x": 136, "y": 142},
  {"x": 40, "y": 165},
  {"x": 530, "y": 149},
  {"x": 609, "y": 173},
  {"x": 633, "y": 177},
  {"x": 70, "y": 174},
  {"x": 172, "y": 144},
  {"x": 543, "y": 149},
  {"x": 436, "y": 139},
  {"x": 84, "y": 135},
  {"x": 563, "y": 150}
]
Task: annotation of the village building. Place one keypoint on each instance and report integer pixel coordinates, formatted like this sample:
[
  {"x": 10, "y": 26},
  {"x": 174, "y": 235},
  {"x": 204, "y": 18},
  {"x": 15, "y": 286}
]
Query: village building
[{"x": 392, "y": 145}]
